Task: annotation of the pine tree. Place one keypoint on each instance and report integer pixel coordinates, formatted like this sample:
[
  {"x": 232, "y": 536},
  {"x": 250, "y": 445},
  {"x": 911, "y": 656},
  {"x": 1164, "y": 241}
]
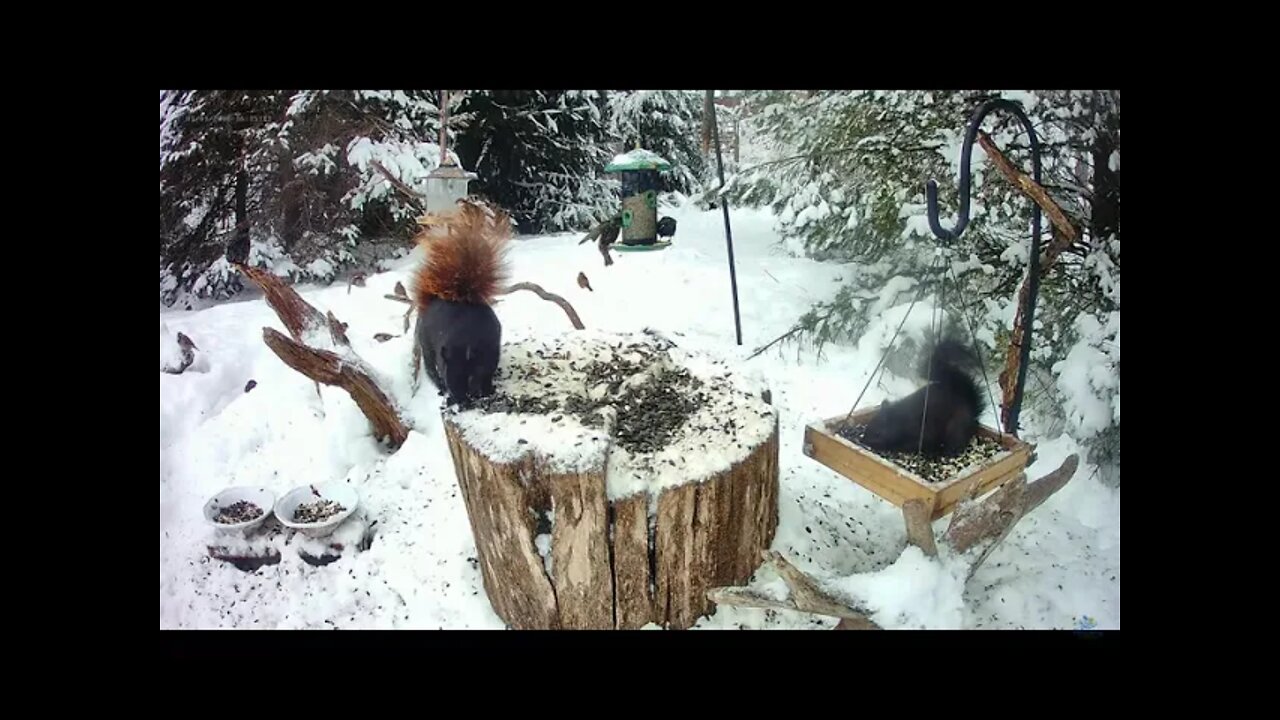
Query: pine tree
[
  {"x": 303, "y": 166},
  {"x": 540, "y": 155},
  {"x": 666, "y": 122},
  {"x": 290, "y": 180},
  {"x": 210, "y": 144},
  {"x": 351, "y": 213}
]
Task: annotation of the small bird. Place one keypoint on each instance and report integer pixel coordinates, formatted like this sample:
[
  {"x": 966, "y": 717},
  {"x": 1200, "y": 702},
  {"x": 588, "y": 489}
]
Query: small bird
[
  {"x": 607, "y": 232},
  {"x": 583, "y": 282},
  {"x": 667, "y": 227},
  {"x": 188, "y": 349},
  {"x": 358, "y": 280}
]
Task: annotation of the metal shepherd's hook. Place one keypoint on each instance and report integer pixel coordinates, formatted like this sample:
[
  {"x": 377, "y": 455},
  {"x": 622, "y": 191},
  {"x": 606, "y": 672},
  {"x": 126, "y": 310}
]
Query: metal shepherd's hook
[{"x": 946, "y": 237}]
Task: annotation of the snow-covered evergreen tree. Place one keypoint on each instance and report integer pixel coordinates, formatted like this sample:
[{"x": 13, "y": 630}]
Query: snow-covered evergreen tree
[
  {"x": 540, "y": 155},
  {"x": 355, "y": 215},
  {"x": 210, "y": 155},
  {"x": 316, "y": 202},
  {"x": 666, "y": 122}
]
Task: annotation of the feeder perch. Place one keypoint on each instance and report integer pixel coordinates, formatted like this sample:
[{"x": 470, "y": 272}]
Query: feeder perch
[
  {"x": 639, "y": 171},
  {"x": 446, "y": 185},
  {"x": 898, "y": 485}
]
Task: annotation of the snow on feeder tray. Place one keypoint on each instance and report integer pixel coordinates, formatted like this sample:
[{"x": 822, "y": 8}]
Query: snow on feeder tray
[
  {"x": 239, "y": 509},
  {"x": 990, "y": 460},
  {"x": 317, "y": 510},
  {"x": 612, "y": 479}
]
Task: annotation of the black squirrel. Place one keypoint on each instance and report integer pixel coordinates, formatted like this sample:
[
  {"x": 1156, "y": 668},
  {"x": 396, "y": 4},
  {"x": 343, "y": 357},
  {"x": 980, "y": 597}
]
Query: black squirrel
[
  {"x": 458, "y": 332},
  {"x": 955, "y": 404}
]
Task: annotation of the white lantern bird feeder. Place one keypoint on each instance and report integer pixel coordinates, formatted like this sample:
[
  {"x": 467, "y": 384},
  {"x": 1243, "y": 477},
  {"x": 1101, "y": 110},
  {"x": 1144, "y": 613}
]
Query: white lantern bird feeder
[{"x": 447, "y": 184}]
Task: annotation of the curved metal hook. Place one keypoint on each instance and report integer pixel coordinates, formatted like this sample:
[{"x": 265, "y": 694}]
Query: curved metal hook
[
  {"x": 946, "y": 236},
  {"x": 975, "y": 122}
]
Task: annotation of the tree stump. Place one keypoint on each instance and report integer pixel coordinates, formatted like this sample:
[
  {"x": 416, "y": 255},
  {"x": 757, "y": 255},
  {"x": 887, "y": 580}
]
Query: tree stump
[{"x": 612, "y": 480}]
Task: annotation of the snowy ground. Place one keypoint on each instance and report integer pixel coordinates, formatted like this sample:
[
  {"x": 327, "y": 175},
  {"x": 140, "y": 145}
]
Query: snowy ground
[{"x": 1060, "y": 568}]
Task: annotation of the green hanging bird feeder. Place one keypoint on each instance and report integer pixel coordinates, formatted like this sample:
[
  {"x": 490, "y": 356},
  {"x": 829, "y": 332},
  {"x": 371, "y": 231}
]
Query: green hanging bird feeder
[{"x": 639, "y": 173}]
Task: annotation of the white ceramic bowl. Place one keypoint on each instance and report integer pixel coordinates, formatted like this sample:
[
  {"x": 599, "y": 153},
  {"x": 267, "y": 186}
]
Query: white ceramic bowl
[
  {"x": 341, "y": 493},
  {"x": 262, "y": 497}
]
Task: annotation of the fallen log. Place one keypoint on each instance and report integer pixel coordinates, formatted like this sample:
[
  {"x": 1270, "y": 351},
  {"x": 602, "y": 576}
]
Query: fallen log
[{"x": 336, "y": 365}]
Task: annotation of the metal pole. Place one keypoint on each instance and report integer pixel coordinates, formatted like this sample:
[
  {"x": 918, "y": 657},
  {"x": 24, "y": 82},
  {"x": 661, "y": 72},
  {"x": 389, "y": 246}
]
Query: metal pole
[
  {"x": 728, "y": 232},
  {"x": 444, "y": 123},
  {"x": 946, "y": 236}
]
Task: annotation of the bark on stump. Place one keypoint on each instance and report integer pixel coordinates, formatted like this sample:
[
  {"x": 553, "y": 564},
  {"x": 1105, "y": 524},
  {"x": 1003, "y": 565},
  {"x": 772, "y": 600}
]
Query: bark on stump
[{"x": 622, "y": 562}]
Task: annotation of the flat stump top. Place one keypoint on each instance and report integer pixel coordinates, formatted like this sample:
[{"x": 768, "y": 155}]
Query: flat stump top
[{"x": 652, "y": 413}]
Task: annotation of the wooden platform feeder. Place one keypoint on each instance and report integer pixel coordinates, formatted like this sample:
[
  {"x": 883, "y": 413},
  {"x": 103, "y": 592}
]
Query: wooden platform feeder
[
  {"x": 610, "y": 485},
  {"x": 897, "y": 484}
]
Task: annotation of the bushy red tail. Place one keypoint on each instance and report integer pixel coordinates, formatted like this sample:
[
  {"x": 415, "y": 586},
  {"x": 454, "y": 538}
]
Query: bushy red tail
[{"x": 466, "y": 258}]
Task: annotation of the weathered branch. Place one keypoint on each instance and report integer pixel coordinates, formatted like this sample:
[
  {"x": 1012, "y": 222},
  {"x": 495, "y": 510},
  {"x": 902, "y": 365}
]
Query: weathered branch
[
  {"x": 550, "y": 297},
  {"x": 980, "y": 527},
  {"x": 1064, "y": 236},
  {"x": 1031, "y": 189},
  {"x": 398, "y": 298},
  {"x": 1040, "y": 490},
  {"x": 805, "y": 592},
  {"x": 323, "y": 366},
  {"x": 806, "y": 596},
  {"x": 409, "y": 193},
  {"x": 332, "y": 369},
  {"x": 740, "y": 597},
  {"x": 296, "y": 314}
]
